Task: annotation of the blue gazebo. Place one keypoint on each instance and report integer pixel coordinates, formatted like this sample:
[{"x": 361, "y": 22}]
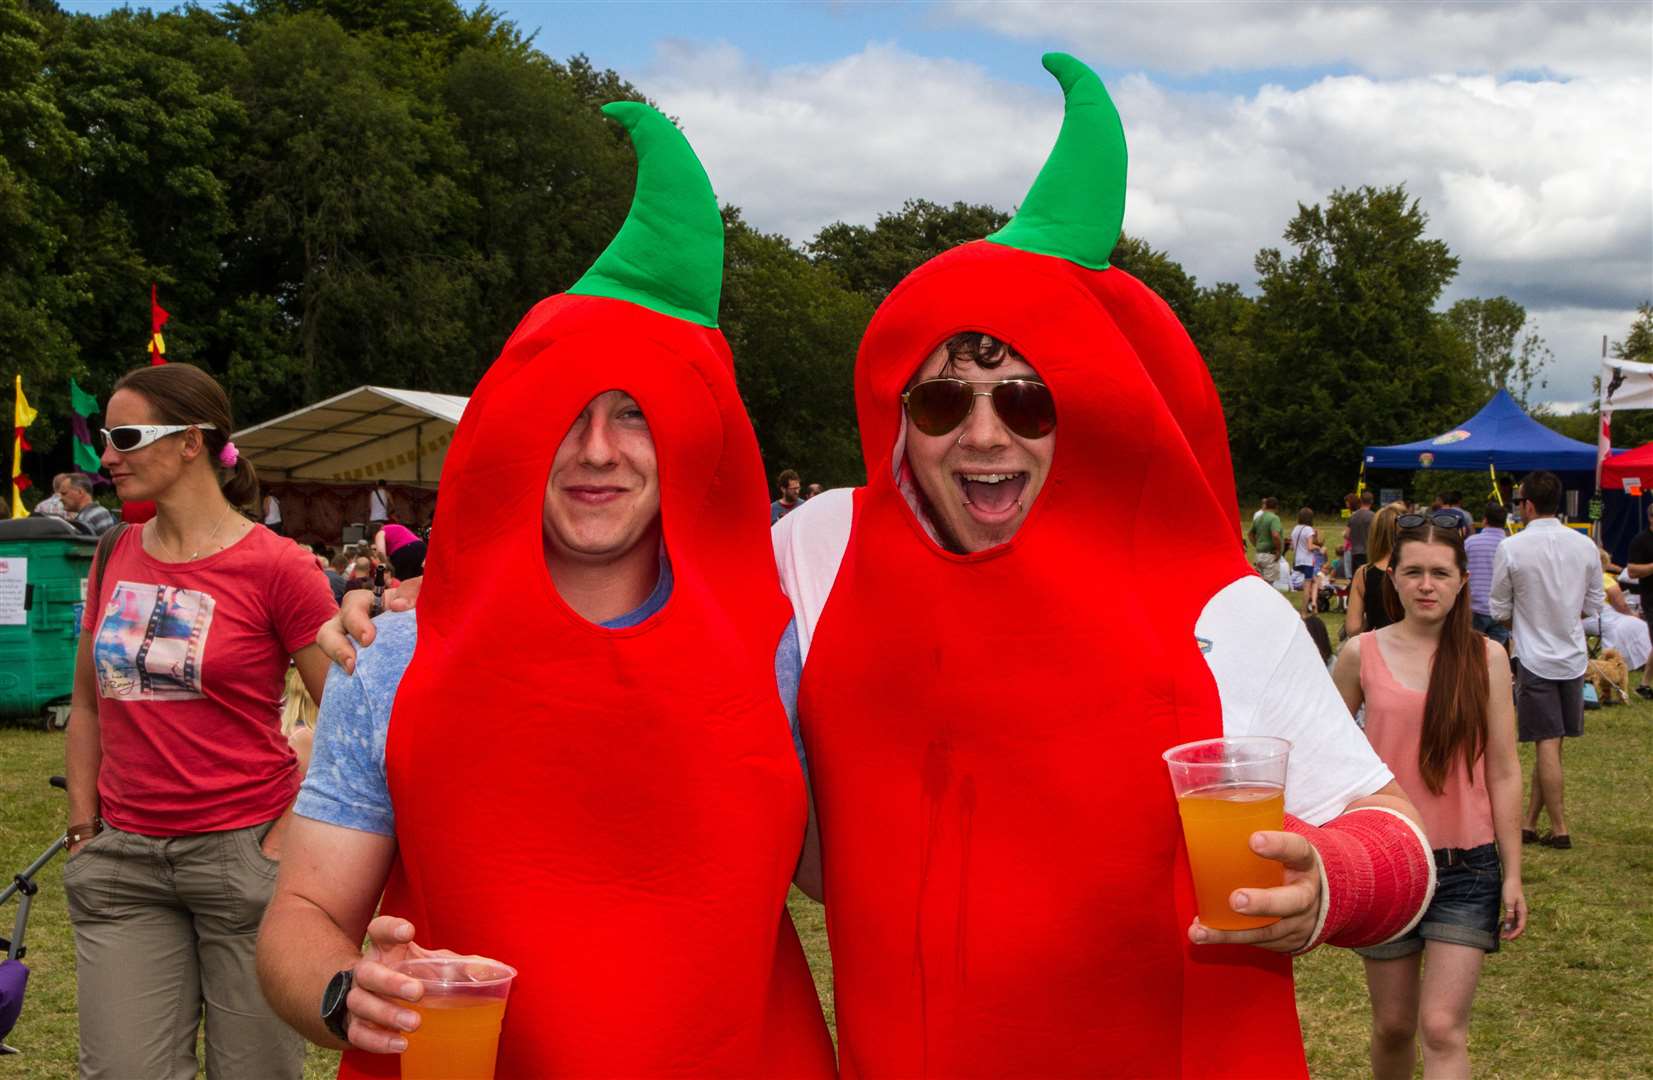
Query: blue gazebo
[{"x": 1500, "y": 436}]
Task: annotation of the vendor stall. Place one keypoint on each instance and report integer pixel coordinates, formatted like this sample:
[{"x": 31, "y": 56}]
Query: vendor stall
[{"x": 321, "y": 461}]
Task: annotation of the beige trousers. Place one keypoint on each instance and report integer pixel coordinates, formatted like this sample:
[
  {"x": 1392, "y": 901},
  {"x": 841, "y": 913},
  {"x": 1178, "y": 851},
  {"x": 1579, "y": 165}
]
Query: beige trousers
[{"x": 165, "y": 929}]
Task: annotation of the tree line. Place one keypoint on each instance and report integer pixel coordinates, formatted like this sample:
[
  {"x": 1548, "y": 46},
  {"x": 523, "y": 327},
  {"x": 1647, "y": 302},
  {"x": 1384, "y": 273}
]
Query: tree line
[{"x": 338, "y": 192}]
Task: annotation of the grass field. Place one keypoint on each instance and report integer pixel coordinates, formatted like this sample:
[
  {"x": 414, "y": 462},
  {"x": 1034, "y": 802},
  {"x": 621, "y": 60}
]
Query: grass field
[{"x": 1572, "y": 998}]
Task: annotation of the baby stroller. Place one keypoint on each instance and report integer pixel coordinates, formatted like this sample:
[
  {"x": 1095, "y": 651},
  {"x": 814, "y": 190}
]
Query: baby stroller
[{"x": 14, "y": 976}]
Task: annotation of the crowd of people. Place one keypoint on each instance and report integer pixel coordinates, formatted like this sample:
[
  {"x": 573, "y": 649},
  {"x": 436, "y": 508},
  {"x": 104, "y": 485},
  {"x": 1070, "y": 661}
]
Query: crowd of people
[{"x": 642, "y": 712}]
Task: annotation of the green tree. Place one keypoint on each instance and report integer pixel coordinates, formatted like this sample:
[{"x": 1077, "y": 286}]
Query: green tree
[
  {"x": 1504, "y": 358},
  {"x": 39, "y": 282},
  {"x": 794, "y": 328},
  {"x": 873, "y": 259},
  {"x": 1638, "y": 343},
  {"x": 1159, "y": 272},
  {"x": 1346, "y": 347},
  {"x": 158, "y": 126},
  {"x": 551, "y": 178}
]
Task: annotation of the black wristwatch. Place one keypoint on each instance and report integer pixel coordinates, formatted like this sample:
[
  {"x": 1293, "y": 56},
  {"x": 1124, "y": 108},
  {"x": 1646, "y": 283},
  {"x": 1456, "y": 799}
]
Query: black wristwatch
[{"x": 335, "y": 1008}]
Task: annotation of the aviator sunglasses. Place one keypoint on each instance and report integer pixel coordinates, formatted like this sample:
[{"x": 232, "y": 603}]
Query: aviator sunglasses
[
  {"x": 937, "y": 406},
  {"x": 130, "y": 437},
  {"x": 1440, "y": 520}
]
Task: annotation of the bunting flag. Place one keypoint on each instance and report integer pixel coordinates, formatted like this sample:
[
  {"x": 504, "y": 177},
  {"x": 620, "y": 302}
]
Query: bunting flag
[
  {"x": 22, "y": 418},
  {"x": 158, "y": 316},
  {"x": 84, "y": 404}
]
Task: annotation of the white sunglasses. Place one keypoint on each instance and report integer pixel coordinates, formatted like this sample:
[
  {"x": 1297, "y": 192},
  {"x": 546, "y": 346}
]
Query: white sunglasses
[{"x": 130, "y": 437}]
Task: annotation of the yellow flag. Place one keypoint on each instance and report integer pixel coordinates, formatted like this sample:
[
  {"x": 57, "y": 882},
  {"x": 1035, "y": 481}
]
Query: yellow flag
[
  {"x": 23, "y": 417},
  {"x": 25, "y": 413}
]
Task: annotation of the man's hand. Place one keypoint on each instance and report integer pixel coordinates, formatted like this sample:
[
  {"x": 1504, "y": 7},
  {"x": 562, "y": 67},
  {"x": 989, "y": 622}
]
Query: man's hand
[
  {"x": 378, "y": 1000},
  {"x": 355, "y": 620},
  {"x": 1296, "y": 902}
]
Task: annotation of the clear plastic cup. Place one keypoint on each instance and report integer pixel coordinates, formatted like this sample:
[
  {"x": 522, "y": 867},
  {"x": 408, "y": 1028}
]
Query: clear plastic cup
[
  {"x": 460, "y": 1014},
  {"x": 1226, "y": 790}
]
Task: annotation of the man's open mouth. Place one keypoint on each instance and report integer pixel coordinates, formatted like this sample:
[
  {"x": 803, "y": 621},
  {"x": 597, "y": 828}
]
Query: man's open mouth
[{"x": 992, "y": 493}]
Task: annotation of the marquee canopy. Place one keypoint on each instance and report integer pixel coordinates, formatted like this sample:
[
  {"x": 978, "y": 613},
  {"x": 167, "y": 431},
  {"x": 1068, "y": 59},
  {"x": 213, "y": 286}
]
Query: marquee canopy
[
  {"x": 1634, "y": 464},
  {"x": 1501, "y": 436},
  {"x": 362, "y": 435}
]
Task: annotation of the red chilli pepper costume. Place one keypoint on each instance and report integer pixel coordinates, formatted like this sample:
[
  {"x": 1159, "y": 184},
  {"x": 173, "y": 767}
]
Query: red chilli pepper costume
[
  {"x": 616, "y": 813},
  {"x": 1007, "y": 891}
]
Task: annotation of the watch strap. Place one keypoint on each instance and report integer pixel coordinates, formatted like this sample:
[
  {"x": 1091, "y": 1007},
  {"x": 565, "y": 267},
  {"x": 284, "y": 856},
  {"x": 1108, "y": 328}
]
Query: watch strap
[
  {"x": 84, "y": 831},
  {"x": 335, "y": 1004}
]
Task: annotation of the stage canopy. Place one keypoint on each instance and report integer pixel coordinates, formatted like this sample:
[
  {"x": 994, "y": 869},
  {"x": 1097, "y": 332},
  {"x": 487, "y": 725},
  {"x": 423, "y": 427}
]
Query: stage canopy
[
  {"x": 362, "y": 435},
  {"x": 1501, "y": 436}
]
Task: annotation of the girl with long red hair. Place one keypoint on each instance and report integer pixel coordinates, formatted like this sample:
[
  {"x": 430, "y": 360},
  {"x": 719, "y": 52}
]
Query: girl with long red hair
[{"x": 1440, "y": 712}]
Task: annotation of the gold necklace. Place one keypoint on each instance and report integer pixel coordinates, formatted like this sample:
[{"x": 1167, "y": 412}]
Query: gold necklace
[{"x": 197, "y": 552}]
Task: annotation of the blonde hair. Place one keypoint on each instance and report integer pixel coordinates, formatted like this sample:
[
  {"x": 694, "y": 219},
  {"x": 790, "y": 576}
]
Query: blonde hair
[
  {"x": 298, "y": 709},
  {"x": 1381, "y": 543}
]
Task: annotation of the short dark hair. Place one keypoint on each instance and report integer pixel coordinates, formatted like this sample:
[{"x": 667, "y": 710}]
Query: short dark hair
[
  {"x": 978, "y": 348},
  {"x": 1451, "y": 498},
  {"x": 1366, "y": 498},
  {"x": 1543, "y": 490},
  {"x": 786, "y": 477},
  {"x": 1496, "y": 515},
  {"x": 1305, "y": 516},
  {"x": 1271, "y": 503}
]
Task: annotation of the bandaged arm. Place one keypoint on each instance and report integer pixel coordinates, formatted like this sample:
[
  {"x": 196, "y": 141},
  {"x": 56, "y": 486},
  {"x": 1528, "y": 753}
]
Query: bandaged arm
[{"x": 1377, "y": 874}]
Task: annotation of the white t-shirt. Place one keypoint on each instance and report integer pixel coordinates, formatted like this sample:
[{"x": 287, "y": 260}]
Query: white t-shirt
[
  {"x": 377, "y": 508},
  {"x": 272, "y": 510},
  {"x": 1269, "y": 674},
  {"x": 1302, "y": 549}
]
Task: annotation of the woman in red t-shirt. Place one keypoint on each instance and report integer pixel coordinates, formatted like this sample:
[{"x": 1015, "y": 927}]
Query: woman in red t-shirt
[{"x": 179, "y": 778}]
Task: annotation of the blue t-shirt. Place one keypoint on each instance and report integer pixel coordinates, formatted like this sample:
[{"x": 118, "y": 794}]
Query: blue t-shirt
[{"x": 346, "y": 783}]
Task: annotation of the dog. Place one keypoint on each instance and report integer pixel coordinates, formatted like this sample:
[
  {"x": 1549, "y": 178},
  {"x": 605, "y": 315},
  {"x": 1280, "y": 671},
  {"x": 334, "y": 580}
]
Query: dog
[{"x": 1610, "y": 676}]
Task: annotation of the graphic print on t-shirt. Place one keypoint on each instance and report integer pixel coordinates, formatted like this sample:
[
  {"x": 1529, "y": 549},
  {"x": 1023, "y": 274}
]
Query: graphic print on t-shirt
[{"x": 151, "y": 641}]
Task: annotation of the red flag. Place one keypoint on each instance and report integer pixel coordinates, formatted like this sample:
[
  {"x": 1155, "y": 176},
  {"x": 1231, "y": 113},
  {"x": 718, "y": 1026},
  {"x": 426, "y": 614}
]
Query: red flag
[
  {"x": 1604, "y": 443},
  {"x": 158, "y": 316}
]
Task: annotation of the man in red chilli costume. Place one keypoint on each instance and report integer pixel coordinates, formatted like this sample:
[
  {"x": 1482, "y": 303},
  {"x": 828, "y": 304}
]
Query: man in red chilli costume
[
  {"x": 613, "y": 806},
  {"x": 989, "y": 679}
]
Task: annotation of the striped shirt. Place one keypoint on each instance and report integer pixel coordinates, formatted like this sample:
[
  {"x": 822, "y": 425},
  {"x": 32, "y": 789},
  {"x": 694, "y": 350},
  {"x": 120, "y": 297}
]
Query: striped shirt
[{"x": 1481, "y": 548}]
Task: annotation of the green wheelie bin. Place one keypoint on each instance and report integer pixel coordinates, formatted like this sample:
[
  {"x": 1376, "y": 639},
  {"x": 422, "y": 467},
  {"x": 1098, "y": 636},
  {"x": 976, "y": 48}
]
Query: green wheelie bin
[{"x": 44, "y": 562}]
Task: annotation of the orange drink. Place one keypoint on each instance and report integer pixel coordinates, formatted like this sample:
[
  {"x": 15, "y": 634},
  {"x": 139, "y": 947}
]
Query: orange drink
[
  {"x": 460, "y": 1014},
  {"x": 456, "y": 1039},
  {"x": 1226, "y": 790},
  {"x": 1217, "y": 823}
]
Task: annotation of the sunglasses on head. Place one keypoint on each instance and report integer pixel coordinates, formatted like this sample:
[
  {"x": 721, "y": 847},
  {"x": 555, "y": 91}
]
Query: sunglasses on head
[
  {"x": 130, "y": 437},
  {"x": 1441, "y": 520},
  {"x": 937, "y": 406}
]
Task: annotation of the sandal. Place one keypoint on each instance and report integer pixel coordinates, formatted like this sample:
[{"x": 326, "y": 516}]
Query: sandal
[{"x": 1563, "y": 842}]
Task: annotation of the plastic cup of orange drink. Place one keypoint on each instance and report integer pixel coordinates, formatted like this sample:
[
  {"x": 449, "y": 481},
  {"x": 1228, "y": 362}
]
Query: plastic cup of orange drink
[
  {"x": 460, "y": 1014},
  {"x": 1226, "y": 790}
]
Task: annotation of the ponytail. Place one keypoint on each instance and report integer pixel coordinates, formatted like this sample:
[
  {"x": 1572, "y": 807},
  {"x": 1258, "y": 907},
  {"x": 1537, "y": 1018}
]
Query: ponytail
[{"x": 240, "y": 482}]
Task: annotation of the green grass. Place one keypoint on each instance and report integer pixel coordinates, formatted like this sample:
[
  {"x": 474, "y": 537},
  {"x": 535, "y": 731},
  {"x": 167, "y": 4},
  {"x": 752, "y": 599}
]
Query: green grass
[{"x": 1570, "y": 999}]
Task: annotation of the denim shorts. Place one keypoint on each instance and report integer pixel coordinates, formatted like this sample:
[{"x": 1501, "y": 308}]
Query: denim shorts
[{"x": 1469, "y": 894}]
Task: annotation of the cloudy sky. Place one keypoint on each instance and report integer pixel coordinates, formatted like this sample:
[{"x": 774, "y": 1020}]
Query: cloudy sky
[{"x": 1526, "y": 130}]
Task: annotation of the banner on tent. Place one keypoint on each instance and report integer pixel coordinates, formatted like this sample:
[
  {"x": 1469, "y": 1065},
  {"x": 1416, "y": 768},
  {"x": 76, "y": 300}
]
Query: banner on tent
[{"x": 1625, "y": 384}]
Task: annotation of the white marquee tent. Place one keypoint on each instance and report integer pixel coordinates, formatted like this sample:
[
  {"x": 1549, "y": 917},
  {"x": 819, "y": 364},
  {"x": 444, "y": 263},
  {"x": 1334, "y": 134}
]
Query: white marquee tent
[{"x": 362, "y": 435}]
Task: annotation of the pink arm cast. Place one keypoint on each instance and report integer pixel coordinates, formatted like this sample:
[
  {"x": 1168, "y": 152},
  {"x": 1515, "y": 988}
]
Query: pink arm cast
[{"x": 1377, "y": 875}]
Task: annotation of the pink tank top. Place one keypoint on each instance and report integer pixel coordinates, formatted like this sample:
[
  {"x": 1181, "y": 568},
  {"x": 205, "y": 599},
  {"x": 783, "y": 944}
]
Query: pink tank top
[{"x": 1461, "y": 815}]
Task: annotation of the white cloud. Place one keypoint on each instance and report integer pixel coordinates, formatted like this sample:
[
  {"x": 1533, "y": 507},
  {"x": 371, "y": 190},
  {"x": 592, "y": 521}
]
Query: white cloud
[
  {"x": 1544, "y": 189},
  {"x": 1386, "y": 39}
]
